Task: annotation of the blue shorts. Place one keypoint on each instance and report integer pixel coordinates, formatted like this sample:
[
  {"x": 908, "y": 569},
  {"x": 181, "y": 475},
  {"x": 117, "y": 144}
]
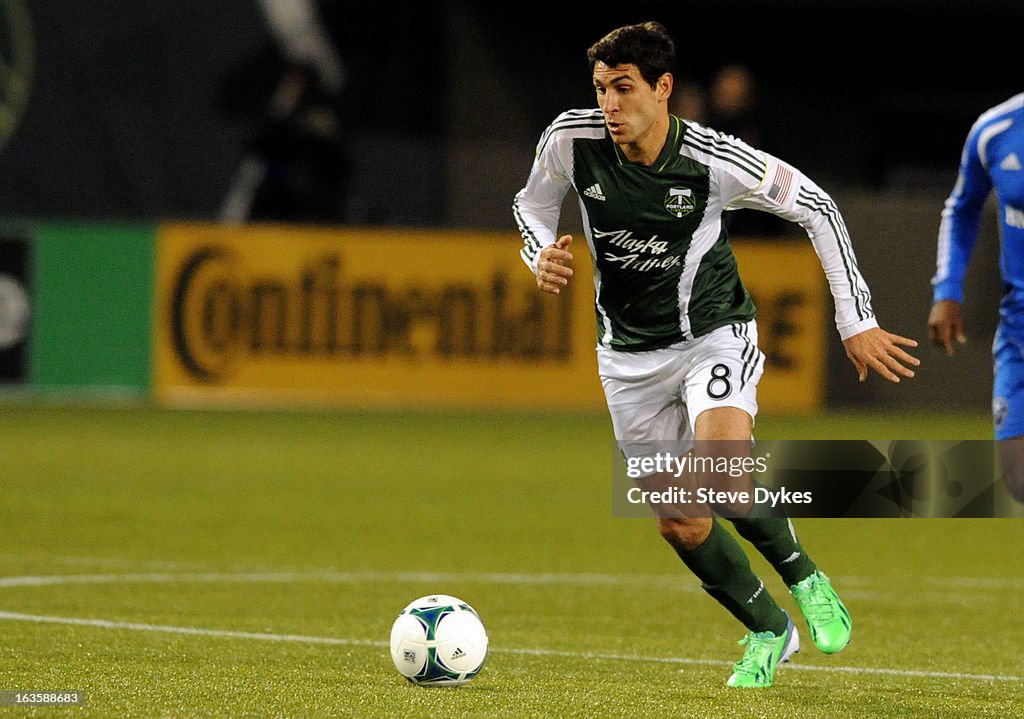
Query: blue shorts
[{"x": 1008, "y": 387}]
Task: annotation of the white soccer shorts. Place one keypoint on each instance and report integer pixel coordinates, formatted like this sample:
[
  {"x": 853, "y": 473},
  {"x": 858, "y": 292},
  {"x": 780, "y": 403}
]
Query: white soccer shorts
[{"x": 656, "y": 396}]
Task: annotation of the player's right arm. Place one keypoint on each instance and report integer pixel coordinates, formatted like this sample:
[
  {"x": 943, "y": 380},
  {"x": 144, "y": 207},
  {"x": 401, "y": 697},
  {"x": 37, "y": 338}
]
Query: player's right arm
[
  {"x": 552, "y": 272},
  {"x": 537, "y": 208},
  {"x": 958, "y": 232},
  {"x": 946, "y": 323}
]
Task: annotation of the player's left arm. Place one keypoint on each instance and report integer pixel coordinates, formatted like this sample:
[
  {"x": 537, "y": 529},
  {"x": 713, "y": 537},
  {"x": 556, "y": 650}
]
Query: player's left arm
[
  {"x": 882, "y": 352},
  {"x": 788, "y": 193}
]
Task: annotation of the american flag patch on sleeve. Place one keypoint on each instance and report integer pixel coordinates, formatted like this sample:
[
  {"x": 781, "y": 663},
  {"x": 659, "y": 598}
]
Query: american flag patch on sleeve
[{"x": 781, "y": 183}]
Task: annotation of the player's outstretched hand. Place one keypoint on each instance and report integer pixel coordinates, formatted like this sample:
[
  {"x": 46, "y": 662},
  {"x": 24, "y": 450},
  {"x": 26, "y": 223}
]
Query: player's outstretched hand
[
  {"x": 880, "y": 350},
  {"x": 552, "y": 272},
  {"x": 946, "y": 323}
]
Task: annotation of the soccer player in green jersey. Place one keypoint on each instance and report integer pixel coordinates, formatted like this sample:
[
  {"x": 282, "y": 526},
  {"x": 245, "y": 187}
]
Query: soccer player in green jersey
[{"x": 677, "y": 341}]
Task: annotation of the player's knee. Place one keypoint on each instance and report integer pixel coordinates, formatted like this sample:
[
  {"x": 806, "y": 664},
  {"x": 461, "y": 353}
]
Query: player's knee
[
  {"x": 1011, "y": 454},
  {"x": 685, "y": 534},
  {"x": 1015, "y": 482},
  {"x": 1016, "y": 488}
]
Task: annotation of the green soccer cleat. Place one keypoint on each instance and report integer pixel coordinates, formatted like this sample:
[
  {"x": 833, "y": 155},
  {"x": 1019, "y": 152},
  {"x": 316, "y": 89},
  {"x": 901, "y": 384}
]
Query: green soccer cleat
[
  {"x": 828, "y": 619},
  {"x": 764, "y": 653}
]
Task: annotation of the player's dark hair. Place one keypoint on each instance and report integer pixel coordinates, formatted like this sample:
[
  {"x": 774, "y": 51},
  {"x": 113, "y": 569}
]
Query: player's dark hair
[{"x": 646, "y": 45}]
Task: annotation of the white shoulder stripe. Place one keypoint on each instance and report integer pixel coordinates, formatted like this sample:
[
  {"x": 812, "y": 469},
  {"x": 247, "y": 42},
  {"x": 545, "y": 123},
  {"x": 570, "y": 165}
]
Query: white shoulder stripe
[
  {"x": 987, "y": 134},
  {"x": 1014, "y": 103},
  {"x": 589, "y": 128},
  {"x": 992, "y": 122}
]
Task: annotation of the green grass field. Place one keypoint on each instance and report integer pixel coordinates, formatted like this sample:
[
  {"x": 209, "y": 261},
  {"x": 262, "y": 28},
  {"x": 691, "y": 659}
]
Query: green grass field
[{"x": 227, "y": 564}]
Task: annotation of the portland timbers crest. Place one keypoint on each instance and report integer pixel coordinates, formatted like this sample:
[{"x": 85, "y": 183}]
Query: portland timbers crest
[{"x": 679, "y": 201}]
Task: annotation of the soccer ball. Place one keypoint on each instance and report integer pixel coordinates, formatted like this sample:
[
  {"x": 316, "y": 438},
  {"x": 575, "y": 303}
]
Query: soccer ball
[{"x": 438, "y": 640}]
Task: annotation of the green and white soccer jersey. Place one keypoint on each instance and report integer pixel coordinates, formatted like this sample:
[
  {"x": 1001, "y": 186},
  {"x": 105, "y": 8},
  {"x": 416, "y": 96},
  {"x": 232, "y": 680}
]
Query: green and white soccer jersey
[{"x": 664, "y": 271}]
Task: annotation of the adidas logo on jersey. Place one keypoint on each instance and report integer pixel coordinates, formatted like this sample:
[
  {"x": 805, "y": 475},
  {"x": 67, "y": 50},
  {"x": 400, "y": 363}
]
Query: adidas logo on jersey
[
  {"x": 594, "y": 191},
  {"x": 1010, "y": 162}
]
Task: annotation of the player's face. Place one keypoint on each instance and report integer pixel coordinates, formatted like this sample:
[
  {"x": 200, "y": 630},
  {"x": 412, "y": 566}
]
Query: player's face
[{"x": 632, "y": 108}]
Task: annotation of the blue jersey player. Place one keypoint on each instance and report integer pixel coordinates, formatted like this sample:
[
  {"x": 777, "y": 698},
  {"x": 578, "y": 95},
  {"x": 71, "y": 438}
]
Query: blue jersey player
[{"x": 992, "y": 159}]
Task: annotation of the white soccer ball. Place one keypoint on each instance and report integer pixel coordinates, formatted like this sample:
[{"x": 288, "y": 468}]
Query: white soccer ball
[{"x": 438, "y": 640}]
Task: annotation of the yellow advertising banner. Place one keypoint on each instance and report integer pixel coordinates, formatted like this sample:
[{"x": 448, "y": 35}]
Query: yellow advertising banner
[
  {"x": 788, "y": 285},
  {"x": 276, "y": 315}
]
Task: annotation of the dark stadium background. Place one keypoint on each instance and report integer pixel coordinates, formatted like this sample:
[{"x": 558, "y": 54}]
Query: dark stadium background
[{"x": 136, "y": 112}]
